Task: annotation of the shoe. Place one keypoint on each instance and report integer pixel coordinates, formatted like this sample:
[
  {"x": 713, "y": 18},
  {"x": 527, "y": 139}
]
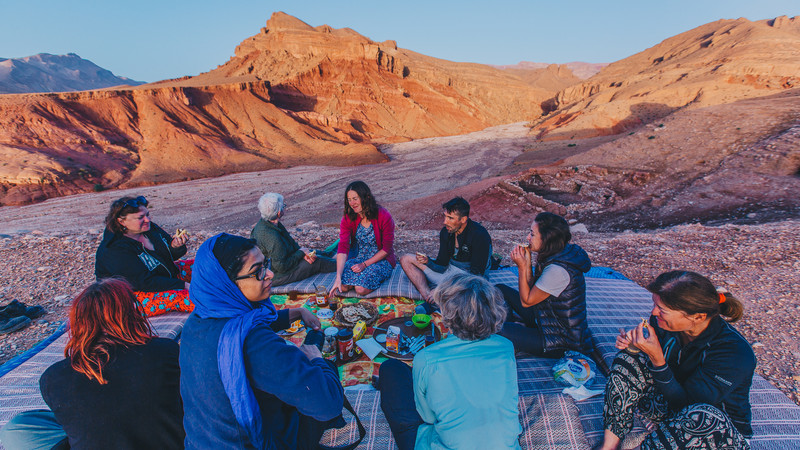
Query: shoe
[
  {"x": 16, "y": 309},
  {"x": 12, "y": 324}
]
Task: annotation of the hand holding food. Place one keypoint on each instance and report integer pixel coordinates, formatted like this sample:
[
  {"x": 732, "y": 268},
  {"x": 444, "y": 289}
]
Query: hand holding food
[
  {"x": 180, "y": 238},
  {"x": 624, "y": 340},
  {"x": 647, "y": 341},
  {"x": 422, "y": 258},
  {"x": 521, "y": 255},
  {"x": 311, "y": 320}
]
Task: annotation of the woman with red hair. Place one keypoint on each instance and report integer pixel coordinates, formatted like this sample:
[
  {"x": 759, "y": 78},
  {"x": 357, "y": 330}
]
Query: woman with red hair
[{"x": 118, "y": 386}]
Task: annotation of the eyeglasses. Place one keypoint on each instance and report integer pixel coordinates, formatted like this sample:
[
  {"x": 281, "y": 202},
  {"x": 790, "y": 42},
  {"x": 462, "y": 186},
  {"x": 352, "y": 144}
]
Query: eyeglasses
[
  {"x": 136, "y": 202},
  {"x": 260, "y": 273}
]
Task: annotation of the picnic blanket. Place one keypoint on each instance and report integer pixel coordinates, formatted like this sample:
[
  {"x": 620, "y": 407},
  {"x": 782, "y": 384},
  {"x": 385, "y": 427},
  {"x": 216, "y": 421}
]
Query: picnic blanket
[
  {"x": 398, "y": 284},
  {"x": 550, "y": 419}
]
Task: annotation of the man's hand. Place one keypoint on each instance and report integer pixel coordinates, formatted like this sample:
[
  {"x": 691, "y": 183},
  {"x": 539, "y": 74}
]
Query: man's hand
[{"x": 422, "y": 258}]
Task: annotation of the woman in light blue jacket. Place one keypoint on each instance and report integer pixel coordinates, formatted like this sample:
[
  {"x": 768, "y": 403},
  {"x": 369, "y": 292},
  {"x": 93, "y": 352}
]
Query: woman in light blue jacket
[{"x": 462, "y": 392}]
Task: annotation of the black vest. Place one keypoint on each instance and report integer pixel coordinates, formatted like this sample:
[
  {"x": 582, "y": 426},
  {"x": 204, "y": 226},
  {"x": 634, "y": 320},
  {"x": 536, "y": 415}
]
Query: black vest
[{"x": 562, "y": 319}]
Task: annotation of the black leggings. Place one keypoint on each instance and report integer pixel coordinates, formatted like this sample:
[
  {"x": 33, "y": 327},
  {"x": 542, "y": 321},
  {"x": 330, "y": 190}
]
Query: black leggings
[
  {"x": 527, "y": 338},
  {"x": 397, "y": 403}
]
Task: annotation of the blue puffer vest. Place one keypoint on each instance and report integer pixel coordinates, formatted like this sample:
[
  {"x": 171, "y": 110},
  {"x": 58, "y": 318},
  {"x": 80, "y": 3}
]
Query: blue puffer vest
[{"x": 562, "y": 319}]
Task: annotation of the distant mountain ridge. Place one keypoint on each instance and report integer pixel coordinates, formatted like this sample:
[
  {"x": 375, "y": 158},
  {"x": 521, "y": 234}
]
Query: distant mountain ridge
[
  {"x": 716, "y": 63},
  {"x": 291, "y": 95},
  {"x": 55, "y": 73},
  {"x": 582, "y": 70}
]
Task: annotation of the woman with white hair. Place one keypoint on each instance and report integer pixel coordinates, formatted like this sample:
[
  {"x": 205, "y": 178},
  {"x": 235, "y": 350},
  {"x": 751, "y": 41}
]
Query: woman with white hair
[
  {"x": 462, "y": 392},
  {"x": 290, "y": 262}
]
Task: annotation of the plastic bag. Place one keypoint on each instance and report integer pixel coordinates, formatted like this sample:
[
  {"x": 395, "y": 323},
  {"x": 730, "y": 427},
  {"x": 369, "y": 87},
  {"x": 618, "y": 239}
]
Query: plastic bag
[{"x": 574, "y": 369}]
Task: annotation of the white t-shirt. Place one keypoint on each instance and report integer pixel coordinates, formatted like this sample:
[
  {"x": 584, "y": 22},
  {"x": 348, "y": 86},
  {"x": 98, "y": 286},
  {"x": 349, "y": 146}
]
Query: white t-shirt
[{"x": 554, "y": 280}]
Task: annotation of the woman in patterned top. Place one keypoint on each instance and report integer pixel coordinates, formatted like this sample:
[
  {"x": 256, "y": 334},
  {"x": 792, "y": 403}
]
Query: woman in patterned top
[{"x": 368, "y": 228}]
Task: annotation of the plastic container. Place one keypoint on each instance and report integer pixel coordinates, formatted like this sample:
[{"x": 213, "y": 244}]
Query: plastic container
[
  {"x": 322, "y": 296},
  {"x": 330, "y": 348}
]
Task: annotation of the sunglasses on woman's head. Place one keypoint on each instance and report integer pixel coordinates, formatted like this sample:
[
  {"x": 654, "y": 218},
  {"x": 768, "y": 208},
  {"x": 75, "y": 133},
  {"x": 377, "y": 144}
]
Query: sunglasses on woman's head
[
  {"x": 136, "y": 202},
  {"x": 260, "y": 273}
]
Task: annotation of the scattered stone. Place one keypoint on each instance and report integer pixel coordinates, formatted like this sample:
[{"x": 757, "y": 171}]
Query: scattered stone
[{"x": 578, "y": 228}]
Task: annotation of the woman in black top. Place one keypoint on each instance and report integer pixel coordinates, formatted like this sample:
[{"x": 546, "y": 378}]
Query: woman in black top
[
  {"x": 140, "y": 251},
  {"x": 687, "y": 369},
  {"x": 119, "y": 386}
]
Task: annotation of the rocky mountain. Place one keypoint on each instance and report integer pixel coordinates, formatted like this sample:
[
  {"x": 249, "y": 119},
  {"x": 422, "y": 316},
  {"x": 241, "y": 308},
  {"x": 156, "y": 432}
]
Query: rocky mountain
[
  {"x": 582, "y": 70},
  {"x": 375, "y": 89},
  {"x": 552, "y": 76},
  {"x": 716, "y": 63},
  {"x": 55, "y": 73},
  {"x": 292, "y": 95}
]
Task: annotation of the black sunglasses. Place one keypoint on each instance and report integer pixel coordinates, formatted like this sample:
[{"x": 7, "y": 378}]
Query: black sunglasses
[
  {"x": 136, "y": 202},
  {"x": 260, "y": 273}
]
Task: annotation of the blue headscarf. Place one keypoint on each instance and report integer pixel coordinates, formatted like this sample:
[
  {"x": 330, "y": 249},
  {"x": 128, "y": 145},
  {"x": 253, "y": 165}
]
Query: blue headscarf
[{"x": 216, "y": 296}]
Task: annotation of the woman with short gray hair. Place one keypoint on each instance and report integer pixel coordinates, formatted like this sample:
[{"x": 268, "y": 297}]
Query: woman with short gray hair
[
  {"x": 461, "y": 386},
  {"x": 270, "y": 205},
  {"x": 290, "y": 262}
]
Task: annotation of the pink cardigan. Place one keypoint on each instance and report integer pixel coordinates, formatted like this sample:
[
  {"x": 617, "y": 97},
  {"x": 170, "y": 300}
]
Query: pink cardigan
[{"x": 384, "y": 234}]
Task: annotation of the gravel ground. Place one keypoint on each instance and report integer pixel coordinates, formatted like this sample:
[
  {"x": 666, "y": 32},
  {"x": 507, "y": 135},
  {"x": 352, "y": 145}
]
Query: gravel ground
[{"x": 760, "y": 264}]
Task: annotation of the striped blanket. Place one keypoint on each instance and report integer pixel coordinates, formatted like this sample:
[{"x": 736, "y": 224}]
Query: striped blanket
[{"x": 550, "y": 419}]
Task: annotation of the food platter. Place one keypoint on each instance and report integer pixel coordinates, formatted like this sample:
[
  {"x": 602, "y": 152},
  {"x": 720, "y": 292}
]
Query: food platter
[
  {"x": 409, "y": 330},
  {"x": 348, "y": 315},
  {"x": 296, "y": 327}
]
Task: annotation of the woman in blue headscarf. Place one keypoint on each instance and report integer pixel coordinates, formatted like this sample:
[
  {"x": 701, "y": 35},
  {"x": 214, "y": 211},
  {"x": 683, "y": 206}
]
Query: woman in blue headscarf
[{"x": 243, "y": 387}]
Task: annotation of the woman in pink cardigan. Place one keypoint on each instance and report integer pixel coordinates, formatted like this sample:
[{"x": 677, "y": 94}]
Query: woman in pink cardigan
[{"x": 370, "y": 229}]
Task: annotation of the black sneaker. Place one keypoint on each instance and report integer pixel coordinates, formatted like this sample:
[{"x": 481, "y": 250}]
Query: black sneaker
[
  {"x": 12, "y": 324},
  {"x": 16, "y": 309}
]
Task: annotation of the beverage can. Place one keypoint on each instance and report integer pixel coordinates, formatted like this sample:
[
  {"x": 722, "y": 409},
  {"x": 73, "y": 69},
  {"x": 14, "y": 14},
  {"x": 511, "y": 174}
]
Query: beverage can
[{"x": 345, "y": 341}]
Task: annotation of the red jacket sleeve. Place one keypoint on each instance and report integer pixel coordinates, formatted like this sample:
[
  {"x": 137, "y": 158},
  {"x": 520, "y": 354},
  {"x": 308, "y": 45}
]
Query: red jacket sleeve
[
  {"x": 345, "y": 232},
  {"x": 386, "y": 239}
]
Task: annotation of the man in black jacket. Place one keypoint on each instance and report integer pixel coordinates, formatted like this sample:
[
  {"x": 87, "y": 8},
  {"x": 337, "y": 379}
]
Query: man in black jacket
[{"x": 464, "y": 245}]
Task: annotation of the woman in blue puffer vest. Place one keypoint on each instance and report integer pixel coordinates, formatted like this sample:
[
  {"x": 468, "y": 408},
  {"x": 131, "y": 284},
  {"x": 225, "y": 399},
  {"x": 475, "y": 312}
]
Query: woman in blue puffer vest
[{"x": 551, "y": 300}]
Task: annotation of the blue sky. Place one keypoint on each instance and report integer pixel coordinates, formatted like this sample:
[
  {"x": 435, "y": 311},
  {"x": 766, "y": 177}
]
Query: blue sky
[{"x": 151, "y": 40}]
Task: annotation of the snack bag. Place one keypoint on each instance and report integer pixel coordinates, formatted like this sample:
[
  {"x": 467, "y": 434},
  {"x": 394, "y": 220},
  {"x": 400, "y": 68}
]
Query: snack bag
[{"x": 574, "y": 369}]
